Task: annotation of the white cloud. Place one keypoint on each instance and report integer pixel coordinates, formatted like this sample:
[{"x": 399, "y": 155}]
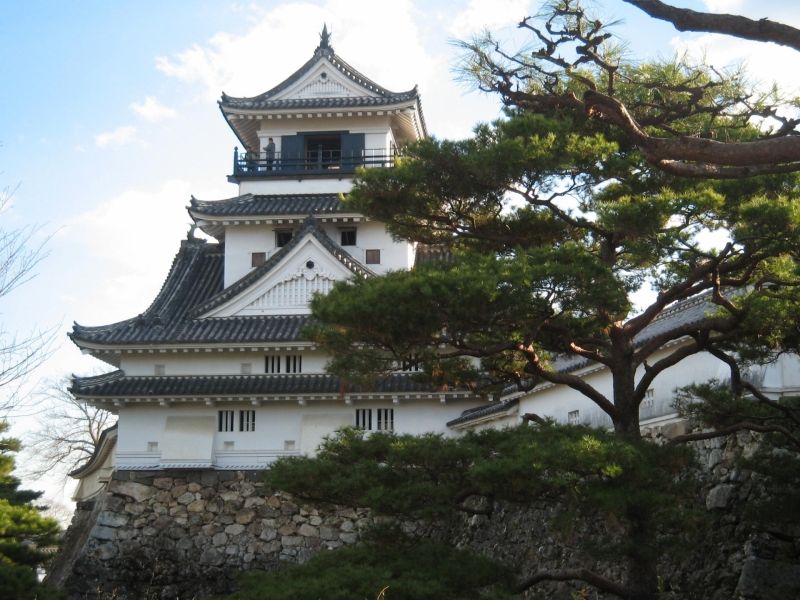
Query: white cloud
[
  {"x": 724, "y": 6},
  {"x": 271, "y": 49},
  {"x": 118, "y": 137},
  {"x": 481, "y": 15},
  {"x": 127, "y": 243},
  {"x": 152, "y": 110}
]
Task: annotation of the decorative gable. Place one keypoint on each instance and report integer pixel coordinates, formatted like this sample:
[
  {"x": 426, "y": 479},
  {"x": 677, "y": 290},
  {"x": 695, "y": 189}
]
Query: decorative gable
[
  {"x": 324, "y": 81},
  {"x": 287, "y": 288}
]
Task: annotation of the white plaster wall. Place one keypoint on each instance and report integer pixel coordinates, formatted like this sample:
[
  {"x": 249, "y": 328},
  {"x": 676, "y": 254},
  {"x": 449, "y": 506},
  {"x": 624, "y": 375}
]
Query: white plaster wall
[
  {"x": 558, "y": 401},
  {"x": 306, "y": 185},
  {"x": 373, "y": 235},
  {"x": 276, "y": 423},
  {"x": 376, "y": 128},
  {"x": 214, "y": 363},
  {"x": 242, "y": 240}
]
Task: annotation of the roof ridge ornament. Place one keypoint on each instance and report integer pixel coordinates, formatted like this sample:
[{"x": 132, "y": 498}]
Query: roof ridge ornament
[{"x": 325, "y": 38}]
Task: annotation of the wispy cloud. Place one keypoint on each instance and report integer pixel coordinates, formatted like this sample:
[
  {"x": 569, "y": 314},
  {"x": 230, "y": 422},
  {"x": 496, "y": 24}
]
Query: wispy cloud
[
  {"x": 487, "y": 14},
  {"x": 152, "y": 110},
  {"x": 118, "y": 137}
]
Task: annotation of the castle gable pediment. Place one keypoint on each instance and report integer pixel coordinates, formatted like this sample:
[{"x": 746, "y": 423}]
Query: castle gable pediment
[
  {"x": 308, "y": 269},
  {"x": 323, "y": 80}
]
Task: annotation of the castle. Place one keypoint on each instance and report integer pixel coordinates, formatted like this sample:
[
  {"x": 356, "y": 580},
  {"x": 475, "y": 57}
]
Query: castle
[{"x": 216, "y": 373}]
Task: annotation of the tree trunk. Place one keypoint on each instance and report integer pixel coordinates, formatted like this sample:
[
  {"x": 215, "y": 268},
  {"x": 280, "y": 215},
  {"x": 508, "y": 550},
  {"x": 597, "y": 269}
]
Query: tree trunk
[{"x": 642, "y": 560}]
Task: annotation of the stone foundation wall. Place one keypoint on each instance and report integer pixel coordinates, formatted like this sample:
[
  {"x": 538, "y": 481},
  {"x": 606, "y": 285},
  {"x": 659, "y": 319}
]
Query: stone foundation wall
[{"x": 187, "y": 534}]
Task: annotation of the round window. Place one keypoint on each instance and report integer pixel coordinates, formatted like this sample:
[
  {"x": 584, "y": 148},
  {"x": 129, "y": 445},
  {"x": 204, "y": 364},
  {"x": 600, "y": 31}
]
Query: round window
[{"x": 310, "y": 264}]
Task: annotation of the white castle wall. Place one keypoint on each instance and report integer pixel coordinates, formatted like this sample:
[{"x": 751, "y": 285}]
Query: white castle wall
[
  {"x": 145, "y": 431},
  {"x": 215, "y": 363}
]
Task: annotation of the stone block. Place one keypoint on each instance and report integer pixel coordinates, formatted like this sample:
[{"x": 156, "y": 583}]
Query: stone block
[
  {"x": 348, "y": 538},
  {"x": 186, "y": 498},
  {"x": 219, "y": 539},
  {"x": 137, "y": 491},
  {"x": 106, "y": 551},
  {"x": 762, "y": 578},
  {"x": 234, "y": 529},
  {"x": 307, "y": 530},
  {"x": 196, "y": 506},
  {"x": 163, "y": 483},
  {"x": 245, "y": 516},
  {"x": 103, "y": 533},
  {"x": 110, "y": 519},
  {"x": 254, "y": 501},
  {"x": 193, "y": 487},
  {"x": 328, "y": 533},
  {"x": 211, "y": 556},
  {"x": 268, "y": 534},
  {"x": 720, "y": 496},
  {"x": 287, "y": 529},
  {"x": 347, "y": 526},
  {"x": 178, "y": 490},
  {"x": 289, "y": 508},
  {"x": 290, "y": 541}
]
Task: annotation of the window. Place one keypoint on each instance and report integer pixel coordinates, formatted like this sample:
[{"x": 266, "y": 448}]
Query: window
[
  {"x": 289, "y": 445},
  {"x": 228, "y": 445},
  {"x": 152, "y": 446},
  {"x": 348, "y": 237},
  {"x": 364, "y": 418},
  {"x": 246, "y": 368},
  {"x": 323, "y": 151},
  {"x": 573, "y": 416},
  {"x": 294, "y": 363},
  {"x": 258, "y": 258},
  {"x": 282, "y": 237},
  {"x": 384, "y": 419},
  {"x": 373, "y": 257},
  {"x": 225, "y": 420},
  {"x": 160, "y": 369},
  {"x": 290, "y": 363},
  {"x": 247, "y": 420},
  {"x": 649, "y": 398},
  {"x": 410, "y": 363},
  {"x": 272, "y": 364}
]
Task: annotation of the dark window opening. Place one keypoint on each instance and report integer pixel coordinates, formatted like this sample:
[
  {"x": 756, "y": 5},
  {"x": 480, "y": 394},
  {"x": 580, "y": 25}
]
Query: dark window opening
[
  {"x": 323, "y": 151},
  {"x": 225, "y": 420},
  {"x": 257, "y": 259},
  {"x": 282, "y": 237},
  {"x": 348, "y": 237},
  {"x": 373, "y": 257}
]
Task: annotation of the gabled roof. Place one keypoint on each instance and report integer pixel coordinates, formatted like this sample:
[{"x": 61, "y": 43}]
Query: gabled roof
[
  {"x": 374, "y": 94},
  {"x": 369, "y": 95},
  {"x": 117, "y": 385},
  {"x": 195, "y": 284},
  {"x": 310, "y": 228}
]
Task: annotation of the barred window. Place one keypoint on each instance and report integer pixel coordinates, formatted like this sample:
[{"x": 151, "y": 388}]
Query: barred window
[
  {"x": 272, "y": 364},
  {"x": 225, "y": 420},
  {"x": 294, "y": 363},
  {"x": 385, "y": 419},
  {"x": 573, "y": 416},
  {"x": 364, "y": 418},
  {"x": 247, "y": 420}
]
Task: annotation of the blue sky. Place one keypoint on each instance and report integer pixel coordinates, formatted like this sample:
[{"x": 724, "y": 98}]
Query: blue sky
[{"x": 108, "y": 119}]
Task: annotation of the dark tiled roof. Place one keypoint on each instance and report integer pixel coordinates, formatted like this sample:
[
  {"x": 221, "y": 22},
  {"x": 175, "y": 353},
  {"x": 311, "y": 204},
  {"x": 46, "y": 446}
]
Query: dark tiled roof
[
  {"x": 250, "y": 205},
  {"x": 195, "y": 284},
  {"x": 117, "y": 384},
  {"x": 310, "y": 227},
  {"x": 103, "y": 446},
  {"x": 382, "y": 96},
  {"x": 492, "y": 408}
]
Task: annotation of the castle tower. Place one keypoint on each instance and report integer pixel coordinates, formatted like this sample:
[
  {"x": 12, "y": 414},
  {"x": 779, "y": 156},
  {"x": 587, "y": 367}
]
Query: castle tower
[{"x": 215, "y": 373}]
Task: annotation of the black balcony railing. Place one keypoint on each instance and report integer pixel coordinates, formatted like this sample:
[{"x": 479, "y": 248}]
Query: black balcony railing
[{"x": 322, "y": 162}]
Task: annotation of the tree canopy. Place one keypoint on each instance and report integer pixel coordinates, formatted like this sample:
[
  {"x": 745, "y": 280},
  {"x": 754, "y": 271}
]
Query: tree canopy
[
  {"x": 682, "y": 116},
  {"x": 609, "y": 192},
  {"x": 24, "y": 531}
]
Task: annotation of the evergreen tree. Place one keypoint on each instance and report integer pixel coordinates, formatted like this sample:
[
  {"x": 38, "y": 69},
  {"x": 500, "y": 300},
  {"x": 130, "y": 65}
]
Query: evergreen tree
[
  {"x": 552, "y": 220},
  {"x": 24, "y": 531}
]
